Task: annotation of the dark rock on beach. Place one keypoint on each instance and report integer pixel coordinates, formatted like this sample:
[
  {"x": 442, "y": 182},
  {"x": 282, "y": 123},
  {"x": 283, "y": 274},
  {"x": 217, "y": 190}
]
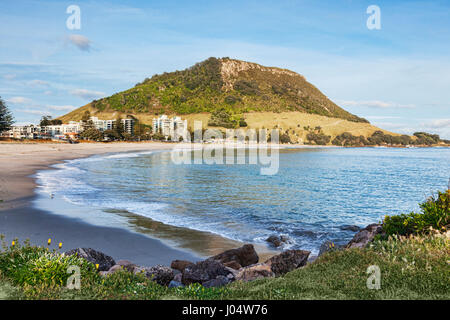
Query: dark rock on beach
[
  {"x": 180, "y": 265},
  {"x": 244, "y": 256},
  {"x": 204, "y": 271},
  {"x": 104, "y": 261},
  {"x": 350, "y": 228},
  {"x": 219, "y": 281},
  {"x": 175, "y": 284},
  {"x": 365, "y": 236},
  {"x": 253, "y": 272},
  {"x": 277, "y": 241},
  {"x": 160, "y": 274},
  {"x": 287, "y": 261}
]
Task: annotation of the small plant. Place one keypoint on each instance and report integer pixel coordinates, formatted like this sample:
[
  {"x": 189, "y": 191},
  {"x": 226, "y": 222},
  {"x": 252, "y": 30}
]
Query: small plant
[{"x": 435, "y": 215}]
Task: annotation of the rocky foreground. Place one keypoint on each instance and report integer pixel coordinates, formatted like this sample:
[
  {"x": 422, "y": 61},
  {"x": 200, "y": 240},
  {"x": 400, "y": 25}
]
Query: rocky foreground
[{"x": 240, "y": 264}]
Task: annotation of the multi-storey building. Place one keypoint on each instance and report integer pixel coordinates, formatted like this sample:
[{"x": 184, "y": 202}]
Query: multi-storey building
[
  {"x": 170, "y": 127},
  {"x": 103, "y": 125}
]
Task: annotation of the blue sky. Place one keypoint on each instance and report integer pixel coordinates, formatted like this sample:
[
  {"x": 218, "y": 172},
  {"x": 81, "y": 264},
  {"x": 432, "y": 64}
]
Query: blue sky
[{"x": 397, "y": 77}]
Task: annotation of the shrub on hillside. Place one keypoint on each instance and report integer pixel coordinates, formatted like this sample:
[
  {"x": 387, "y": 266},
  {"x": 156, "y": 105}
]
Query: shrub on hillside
[
  {"x": 247, "y": 87},
  {"x": 221, "y": 118},
  {"x": 435, "y": 213},
  {"x": 318, "y": 138}
]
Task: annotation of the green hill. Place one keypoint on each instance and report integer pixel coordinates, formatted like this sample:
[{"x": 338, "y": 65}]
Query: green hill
[{"x": 237, "y": 86}]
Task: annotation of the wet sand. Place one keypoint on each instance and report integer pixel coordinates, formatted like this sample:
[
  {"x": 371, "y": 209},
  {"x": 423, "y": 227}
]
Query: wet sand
[{"x": 19, "y": 219}]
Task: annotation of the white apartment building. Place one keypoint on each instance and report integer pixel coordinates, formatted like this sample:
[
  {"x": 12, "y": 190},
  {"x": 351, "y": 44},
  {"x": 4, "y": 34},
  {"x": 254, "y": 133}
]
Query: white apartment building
[
  {"x": 71, "y": 129},
  {"x": 173, "y": 127},
  {"x": 24, "y": 132},
  {"x": 102, "y": 125}
]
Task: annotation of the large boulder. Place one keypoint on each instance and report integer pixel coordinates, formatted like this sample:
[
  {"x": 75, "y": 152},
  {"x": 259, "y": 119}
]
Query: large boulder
[
  {"x": 104, "y": 261},
  {"x": 253, "y": 272},
  {"x": 243, "y": 256},
  {"x": 365, "y": 236},
  {"x": 287, "y": 261},
  {"x": 180, "y": 265},
  {"x": 203, "y": 271},
  {"x": 160, "y": 274}
]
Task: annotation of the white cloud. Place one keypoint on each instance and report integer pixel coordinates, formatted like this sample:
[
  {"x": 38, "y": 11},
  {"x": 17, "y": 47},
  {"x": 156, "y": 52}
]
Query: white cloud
[
  {"x": 81, "y": 42},
  {"x": 374, "y": 104},
  {"x": 9, "y": 76},
  {"x": 19, "y": 100},
  {"x": 438, "y": 124},
  {"x": 62, "y": 108},
  {"x": 87, "y": 94},
  {"x": 36, "y": 112},
  {"x": 37, "y": 83}
]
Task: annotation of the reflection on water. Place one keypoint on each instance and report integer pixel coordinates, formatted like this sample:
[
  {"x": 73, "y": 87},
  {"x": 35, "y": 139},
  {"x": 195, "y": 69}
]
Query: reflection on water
[{"x": 315, "y": 192}]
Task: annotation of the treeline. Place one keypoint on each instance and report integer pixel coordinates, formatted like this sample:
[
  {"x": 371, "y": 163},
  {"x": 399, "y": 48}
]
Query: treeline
[{"x": 346, "y": 139}]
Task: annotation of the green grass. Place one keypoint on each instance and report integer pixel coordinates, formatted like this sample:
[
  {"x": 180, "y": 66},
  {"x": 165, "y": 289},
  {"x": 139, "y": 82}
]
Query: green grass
[{"x": 414, "y": 267}]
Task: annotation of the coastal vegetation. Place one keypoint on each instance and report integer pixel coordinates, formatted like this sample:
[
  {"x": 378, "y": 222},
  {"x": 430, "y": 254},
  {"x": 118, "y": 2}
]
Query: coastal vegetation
[
  {"x": 379, "y": 138},
  {"x": 413, "y": 264}
]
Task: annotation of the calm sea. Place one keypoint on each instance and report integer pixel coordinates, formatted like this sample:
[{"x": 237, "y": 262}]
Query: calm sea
[{"x": 314, "y": 194}]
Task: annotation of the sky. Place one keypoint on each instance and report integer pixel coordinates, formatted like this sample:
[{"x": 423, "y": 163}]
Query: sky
[{"x": 397, "y": 76}]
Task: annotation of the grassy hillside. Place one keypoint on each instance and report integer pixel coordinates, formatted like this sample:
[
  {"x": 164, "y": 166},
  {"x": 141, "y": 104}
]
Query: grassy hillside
[{"x": 237, "y": 86}]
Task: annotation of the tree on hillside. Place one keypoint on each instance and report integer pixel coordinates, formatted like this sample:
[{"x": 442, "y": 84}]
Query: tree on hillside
[
  {"x": 48, "y": 121},
  {"x": 6, "y": 118}
]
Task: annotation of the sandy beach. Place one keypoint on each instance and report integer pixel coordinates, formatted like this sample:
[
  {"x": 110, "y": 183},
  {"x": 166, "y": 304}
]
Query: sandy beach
[{"x": 19, "y": 219}]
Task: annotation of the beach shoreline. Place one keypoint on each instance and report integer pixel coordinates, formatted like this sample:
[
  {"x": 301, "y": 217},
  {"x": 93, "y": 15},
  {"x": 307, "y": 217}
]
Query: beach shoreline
[{"x": 19, "y": 162}]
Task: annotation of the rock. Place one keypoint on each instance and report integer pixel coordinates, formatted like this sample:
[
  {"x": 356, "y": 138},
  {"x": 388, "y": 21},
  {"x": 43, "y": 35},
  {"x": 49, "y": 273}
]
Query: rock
[
  {"x": 180, "y": 264},
  {"x": 329, "y": 246},
  {"x": 350, "y": 228},
  {"x": 275, "y": 241},
  {"x": 244, "y": 256},
  {"x": 126, "y": 265},
  {"x": 203, "y": 271},
  {"x": 115, "y": 268},
  {"x": 233, "y": 265},
  {"x": 104, "y": 261},
  {"x": 220, "y": 281},
  {"x": 287, "y": 261},
  {"x": 256, "y": 271},
  {"x": 175, "y": 284},
  {"x": 160, "y": 274},
  {"x": 364, "y": 236},
  {"x": 278, "y": 241},
  {"x": 178, "y": 277},
  {"x": 233, "y": 273}
]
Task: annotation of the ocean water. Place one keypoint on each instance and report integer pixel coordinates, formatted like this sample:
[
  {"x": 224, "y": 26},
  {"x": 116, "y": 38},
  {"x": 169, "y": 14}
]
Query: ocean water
[{"x": 315, "y": 192}]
